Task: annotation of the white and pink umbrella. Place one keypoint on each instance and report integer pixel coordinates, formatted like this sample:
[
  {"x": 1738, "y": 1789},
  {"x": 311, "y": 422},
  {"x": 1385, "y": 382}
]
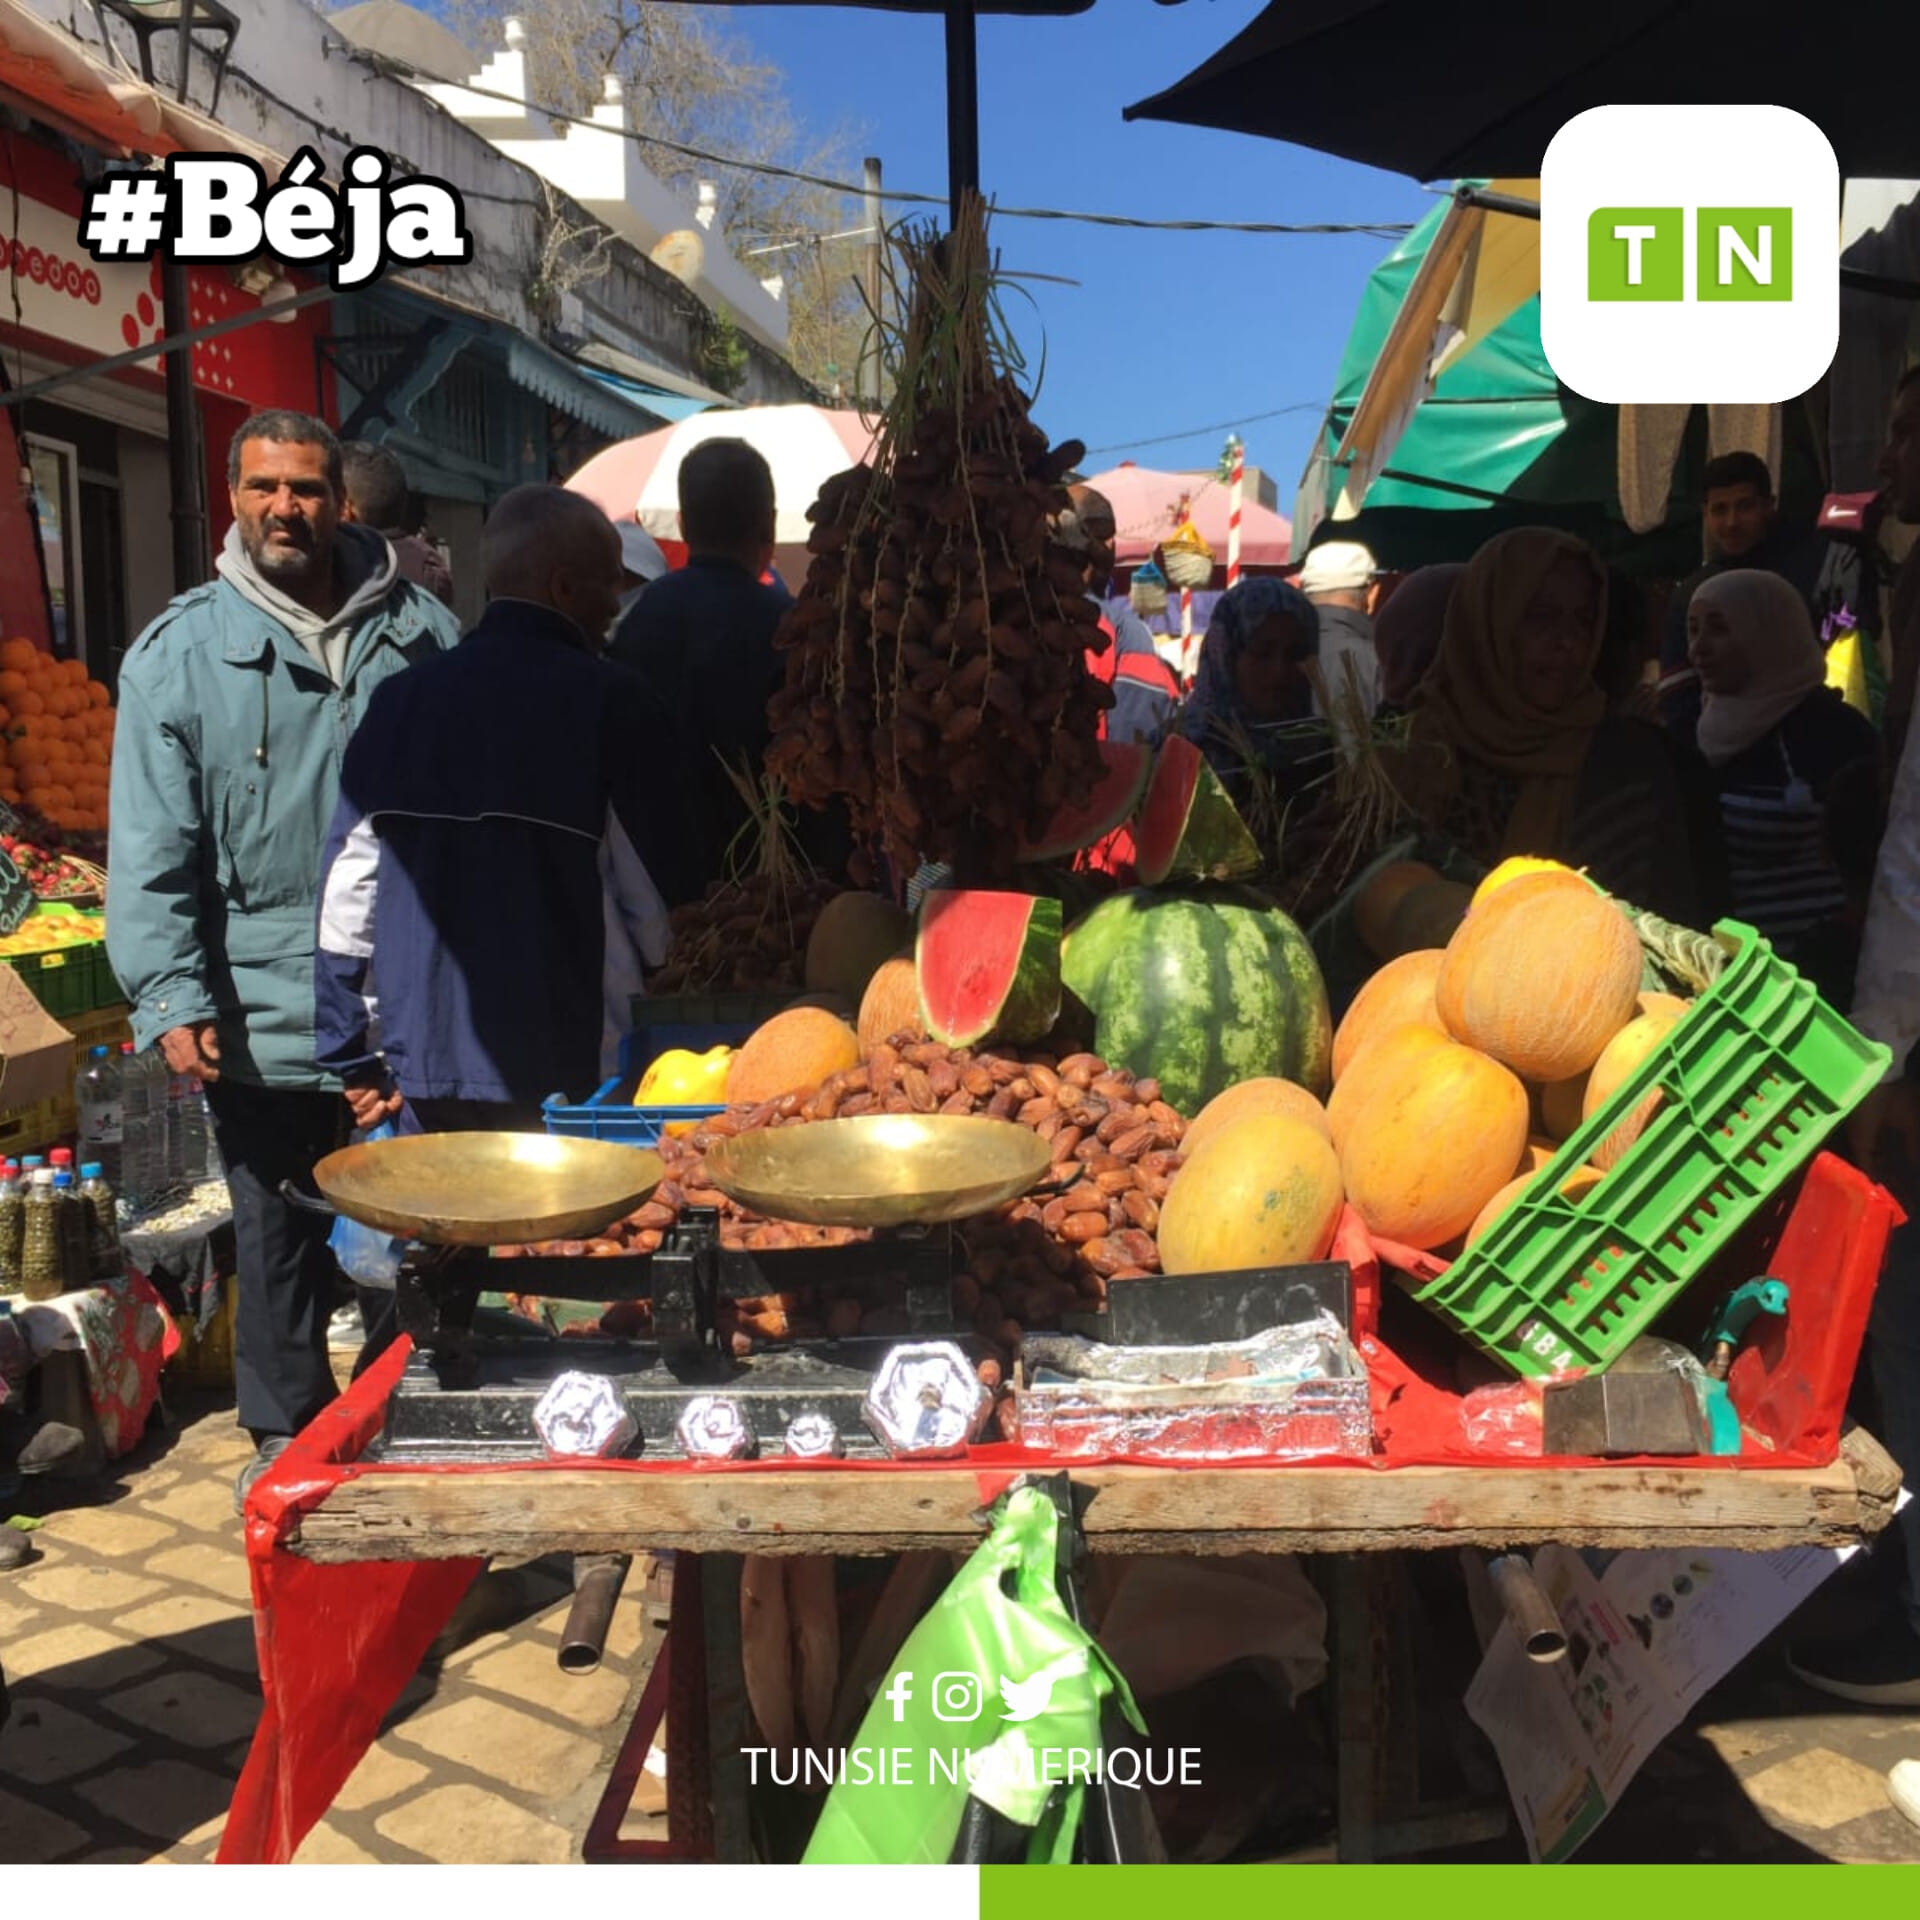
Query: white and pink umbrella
[
  {"x": 1146, "y": 510},
  {"x": 639, "y": 479}
]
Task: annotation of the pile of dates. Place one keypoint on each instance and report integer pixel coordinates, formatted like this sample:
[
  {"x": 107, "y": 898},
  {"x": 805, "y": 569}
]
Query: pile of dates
[{"x": 1094, "y": 1219}]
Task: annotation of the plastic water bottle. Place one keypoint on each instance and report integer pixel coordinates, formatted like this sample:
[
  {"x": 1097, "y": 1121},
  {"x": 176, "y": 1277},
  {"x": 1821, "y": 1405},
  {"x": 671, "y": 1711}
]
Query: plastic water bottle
[
  {"x": 175, "y": 1131},
  {"x": 202, "y": 1150},
  {"x": 141, "y": 1129},
  {"x": 97, "y": 1094}
]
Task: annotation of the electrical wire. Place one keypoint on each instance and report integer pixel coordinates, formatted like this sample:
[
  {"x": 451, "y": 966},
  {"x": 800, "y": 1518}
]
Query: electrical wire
[
  {"x": 1224, "y": 426},
  {"x": 1374, "y": 229}
]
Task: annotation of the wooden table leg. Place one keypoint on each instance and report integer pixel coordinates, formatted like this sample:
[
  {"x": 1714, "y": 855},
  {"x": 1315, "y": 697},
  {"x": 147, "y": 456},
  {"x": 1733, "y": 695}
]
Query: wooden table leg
[
  {"x": 727, "y": 1725},
  {"x": 1350, "y": 1622}
]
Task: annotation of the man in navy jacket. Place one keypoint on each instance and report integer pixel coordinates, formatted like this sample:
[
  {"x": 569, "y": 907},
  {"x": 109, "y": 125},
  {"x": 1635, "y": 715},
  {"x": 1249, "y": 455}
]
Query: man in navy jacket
[{"x": 509, "y": 839}]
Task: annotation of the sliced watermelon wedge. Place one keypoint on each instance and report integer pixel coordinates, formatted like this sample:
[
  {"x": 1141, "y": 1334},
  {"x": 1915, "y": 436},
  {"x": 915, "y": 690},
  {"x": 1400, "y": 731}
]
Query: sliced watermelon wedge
[
  {"x": 988, "y": 967},
  {"x": 1110, "y": 805},
  {"x": 1188, "y": 828}
]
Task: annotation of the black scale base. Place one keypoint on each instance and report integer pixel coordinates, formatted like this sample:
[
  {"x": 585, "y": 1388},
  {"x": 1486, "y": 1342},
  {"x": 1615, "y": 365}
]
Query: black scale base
[{"x": 489, "y": 1416}]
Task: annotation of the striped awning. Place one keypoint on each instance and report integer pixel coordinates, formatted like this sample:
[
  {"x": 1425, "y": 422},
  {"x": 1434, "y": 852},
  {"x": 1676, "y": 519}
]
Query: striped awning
[{"x": 554, "y": 378}]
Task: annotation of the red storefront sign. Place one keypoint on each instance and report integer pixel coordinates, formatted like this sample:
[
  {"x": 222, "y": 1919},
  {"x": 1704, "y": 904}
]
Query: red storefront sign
[{"x": 84, "y": 308}]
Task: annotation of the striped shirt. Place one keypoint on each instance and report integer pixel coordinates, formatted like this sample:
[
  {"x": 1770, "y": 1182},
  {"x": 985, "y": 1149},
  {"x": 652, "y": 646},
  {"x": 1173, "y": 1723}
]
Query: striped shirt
[{"x": 1773, "y": 811}]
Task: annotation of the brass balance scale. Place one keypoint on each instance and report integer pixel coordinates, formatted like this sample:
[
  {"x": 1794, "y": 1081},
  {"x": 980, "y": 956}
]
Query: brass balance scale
[{"x": 469, "y": 1395}]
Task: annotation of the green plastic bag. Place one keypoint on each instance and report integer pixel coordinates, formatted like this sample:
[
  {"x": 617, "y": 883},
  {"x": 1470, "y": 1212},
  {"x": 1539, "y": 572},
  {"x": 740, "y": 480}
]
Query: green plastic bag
[{"x": 995, "y": 1694}]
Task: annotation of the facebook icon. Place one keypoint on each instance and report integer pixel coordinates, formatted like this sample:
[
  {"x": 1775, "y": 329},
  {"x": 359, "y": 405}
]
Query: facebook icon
[{"x": 899, "y": 1690}]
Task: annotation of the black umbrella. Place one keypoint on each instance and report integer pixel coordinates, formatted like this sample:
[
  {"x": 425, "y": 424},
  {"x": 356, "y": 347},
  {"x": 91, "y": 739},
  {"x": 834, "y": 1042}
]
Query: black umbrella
[{"x": 1480, "y": 89}]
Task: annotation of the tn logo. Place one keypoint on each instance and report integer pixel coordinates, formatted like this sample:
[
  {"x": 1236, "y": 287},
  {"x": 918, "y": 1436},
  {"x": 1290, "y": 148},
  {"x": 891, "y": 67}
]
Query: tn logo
[{"x": 1740, "y": 253}]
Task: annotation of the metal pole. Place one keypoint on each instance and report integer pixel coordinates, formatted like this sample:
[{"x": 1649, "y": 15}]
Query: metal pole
[
  {"x": 186, "y": 457},
  {"x": 868, "y": 385},
  {"x": 963, "y": 105}
]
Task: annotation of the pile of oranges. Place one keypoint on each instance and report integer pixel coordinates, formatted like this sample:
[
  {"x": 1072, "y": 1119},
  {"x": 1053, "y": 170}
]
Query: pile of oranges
[{"x": 57, "y": 728}]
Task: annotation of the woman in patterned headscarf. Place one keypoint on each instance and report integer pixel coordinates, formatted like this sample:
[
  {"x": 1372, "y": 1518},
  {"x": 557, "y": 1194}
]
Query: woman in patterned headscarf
[
  {"x": 1513, "y": 750},
  {"x": 1252, "y": 697}
]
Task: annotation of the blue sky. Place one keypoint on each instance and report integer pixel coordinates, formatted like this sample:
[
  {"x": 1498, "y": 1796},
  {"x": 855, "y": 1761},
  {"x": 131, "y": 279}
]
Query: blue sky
[{"x": 1166, "y": 332}]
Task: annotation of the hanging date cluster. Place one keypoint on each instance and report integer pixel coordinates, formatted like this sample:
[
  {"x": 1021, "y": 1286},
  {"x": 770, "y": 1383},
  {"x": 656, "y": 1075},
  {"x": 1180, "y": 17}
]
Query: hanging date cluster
[{"x": 936, "y": 675}]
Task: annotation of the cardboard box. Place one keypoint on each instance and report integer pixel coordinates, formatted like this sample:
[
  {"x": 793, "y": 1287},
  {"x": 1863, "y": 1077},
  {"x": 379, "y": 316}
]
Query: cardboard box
[{"x": 36, "y": 1051}]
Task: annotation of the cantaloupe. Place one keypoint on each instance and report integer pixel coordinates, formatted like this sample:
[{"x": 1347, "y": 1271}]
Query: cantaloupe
[
  {"x": 1399, "y": 995},
  {"x": 1560, "y": 1104},
  {"x": 1428, "y": 916},
  {"x": 1537, "y": 1152},
  {"x": 891, "y": 1004},
  {"x": 1623, "y": 1057},
  {"x": 1373, "y": 909},
  {"x": 1438, "y": 1133},
  {"x": 1541, "y": 977},
  {"x": 1580, "y": 1180},
  {"x": 1263, "y": 1191},
  {"x": 789, "y": 1053},
  {"x": 1264, "y": 1095},
  {"x": 1392, "y": 1056},
  {"x": 853, "y": 938}
]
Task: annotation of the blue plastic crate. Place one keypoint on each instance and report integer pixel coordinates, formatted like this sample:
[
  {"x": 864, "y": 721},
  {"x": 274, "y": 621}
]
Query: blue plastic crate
[{"x": 610, "y": 1115}]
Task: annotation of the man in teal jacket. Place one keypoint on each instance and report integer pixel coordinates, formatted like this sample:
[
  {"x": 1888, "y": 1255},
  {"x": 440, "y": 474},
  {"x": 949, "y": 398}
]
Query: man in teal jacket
[{"x": 236, "y": 706}]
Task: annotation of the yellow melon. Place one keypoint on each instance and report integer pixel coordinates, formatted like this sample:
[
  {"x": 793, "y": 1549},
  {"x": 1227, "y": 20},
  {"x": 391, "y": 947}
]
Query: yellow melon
[
  {"x": 1580, "y": 1180},
  {"x": 1435, "y": 1135},
  {"x": 1246, "y": 1097},
  {"x": 1263, "y": 1191},
  {"x": 1623, "y": 1057},
  {"x": 1399, "y": 995}
]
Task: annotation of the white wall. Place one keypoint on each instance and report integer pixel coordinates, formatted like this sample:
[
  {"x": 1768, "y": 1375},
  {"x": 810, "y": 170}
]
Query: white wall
[{"x": 601, "y": 169}]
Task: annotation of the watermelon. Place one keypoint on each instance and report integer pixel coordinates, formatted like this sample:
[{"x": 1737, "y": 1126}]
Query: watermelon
[
  {"x": 1093, "y": 940},
  {"x": 1110, "y": 806},
  {"x": 988, "y": 966},
  {"x": 1203, "y": 990},
  {"x": 1188, "y": 828}
]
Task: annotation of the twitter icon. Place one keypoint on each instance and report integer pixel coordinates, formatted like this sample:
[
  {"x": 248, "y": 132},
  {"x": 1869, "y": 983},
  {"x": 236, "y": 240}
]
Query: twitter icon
[{"x": 1027, "y": 1699}]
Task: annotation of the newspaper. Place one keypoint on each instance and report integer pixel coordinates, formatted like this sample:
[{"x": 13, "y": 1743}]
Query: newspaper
[{"x": 1647, "y": 1634}]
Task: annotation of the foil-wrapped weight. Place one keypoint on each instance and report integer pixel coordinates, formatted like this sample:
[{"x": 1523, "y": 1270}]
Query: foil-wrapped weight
[
  {"x": 811, "y": 1435},
  {"x": 713, "y": 1427},
  {"x": 926, "y": 1401},
  {"x": 582, "y": 1416}
]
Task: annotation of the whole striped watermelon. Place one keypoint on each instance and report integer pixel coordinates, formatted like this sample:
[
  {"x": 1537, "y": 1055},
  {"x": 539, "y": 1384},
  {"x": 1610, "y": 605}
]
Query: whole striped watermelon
[{"x": 1201, "y": 990}]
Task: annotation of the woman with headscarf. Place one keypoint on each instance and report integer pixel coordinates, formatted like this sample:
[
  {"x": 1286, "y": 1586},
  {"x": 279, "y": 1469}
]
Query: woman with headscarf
[
  {"x": 1406, "y": 634},
  {"x": 1781, "y": 744},
  {"x": 1513, "y": 750},
  {"x": 1252, "y": 701}
]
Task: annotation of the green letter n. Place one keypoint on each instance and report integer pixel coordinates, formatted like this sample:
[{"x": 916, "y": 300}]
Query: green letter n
[{"x": 1746, "y": 253}]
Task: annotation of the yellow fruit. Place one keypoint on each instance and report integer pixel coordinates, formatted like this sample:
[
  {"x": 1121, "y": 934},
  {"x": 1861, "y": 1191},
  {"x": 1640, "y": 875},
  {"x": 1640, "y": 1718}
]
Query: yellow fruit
[
  {"x": 680, "y": 1078},
  {"x": 1517, "y": 868}
]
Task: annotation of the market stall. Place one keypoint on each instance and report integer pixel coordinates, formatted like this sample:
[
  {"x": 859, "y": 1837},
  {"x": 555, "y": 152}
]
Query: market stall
[{"x": 1490, "y": 1214}]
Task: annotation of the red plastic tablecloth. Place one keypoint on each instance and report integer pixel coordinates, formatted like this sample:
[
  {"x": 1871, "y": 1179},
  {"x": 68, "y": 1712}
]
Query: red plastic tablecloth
[{"x": 337, "y": 1644}]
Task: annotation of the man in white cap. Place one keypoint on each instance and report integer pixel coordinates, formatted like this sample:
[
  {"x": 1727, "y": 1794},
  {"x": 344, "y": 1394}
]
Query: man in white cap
[{"x": 1342, "y": 581}]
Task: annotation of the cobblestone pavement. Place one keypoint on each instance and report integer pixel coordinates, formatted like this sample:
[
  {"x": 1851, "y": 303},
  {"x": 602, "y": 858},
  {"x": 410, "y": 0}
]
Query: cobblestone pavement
[{"x": 129, "y": 1649}]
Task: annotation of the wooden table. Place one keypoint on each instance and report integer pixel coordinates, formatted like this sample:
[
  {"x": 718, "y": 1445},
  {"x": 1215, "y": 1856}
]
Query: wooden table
[{"x": 391, "y": 1514}]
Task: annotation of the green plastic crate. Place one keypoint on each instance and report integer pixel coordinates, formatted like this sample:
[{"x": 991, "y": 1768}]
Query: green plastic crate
[
  {"x": 68, "y": 981},
  {"x": 1754, "y": 1077}
]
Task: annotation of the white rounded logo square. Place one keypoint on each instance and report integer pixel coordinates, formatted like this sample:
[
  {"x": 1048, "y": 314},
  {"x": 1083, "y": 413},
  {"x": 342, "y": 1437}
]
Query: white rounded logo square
[{"x": 1689, "y": 254}]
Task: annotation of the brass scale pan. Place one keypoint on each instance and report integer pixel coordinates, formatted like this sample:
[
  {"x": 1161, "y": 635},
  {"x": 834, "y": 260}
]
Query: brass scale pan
[{"x": 501, "y": 1189}]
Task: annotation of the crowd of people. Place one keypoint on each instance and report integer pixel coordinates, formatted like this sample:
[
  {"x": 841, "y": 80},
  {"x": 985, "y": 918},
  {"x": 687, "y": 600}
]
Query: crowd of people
[{"x": 349, "y": 853}]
